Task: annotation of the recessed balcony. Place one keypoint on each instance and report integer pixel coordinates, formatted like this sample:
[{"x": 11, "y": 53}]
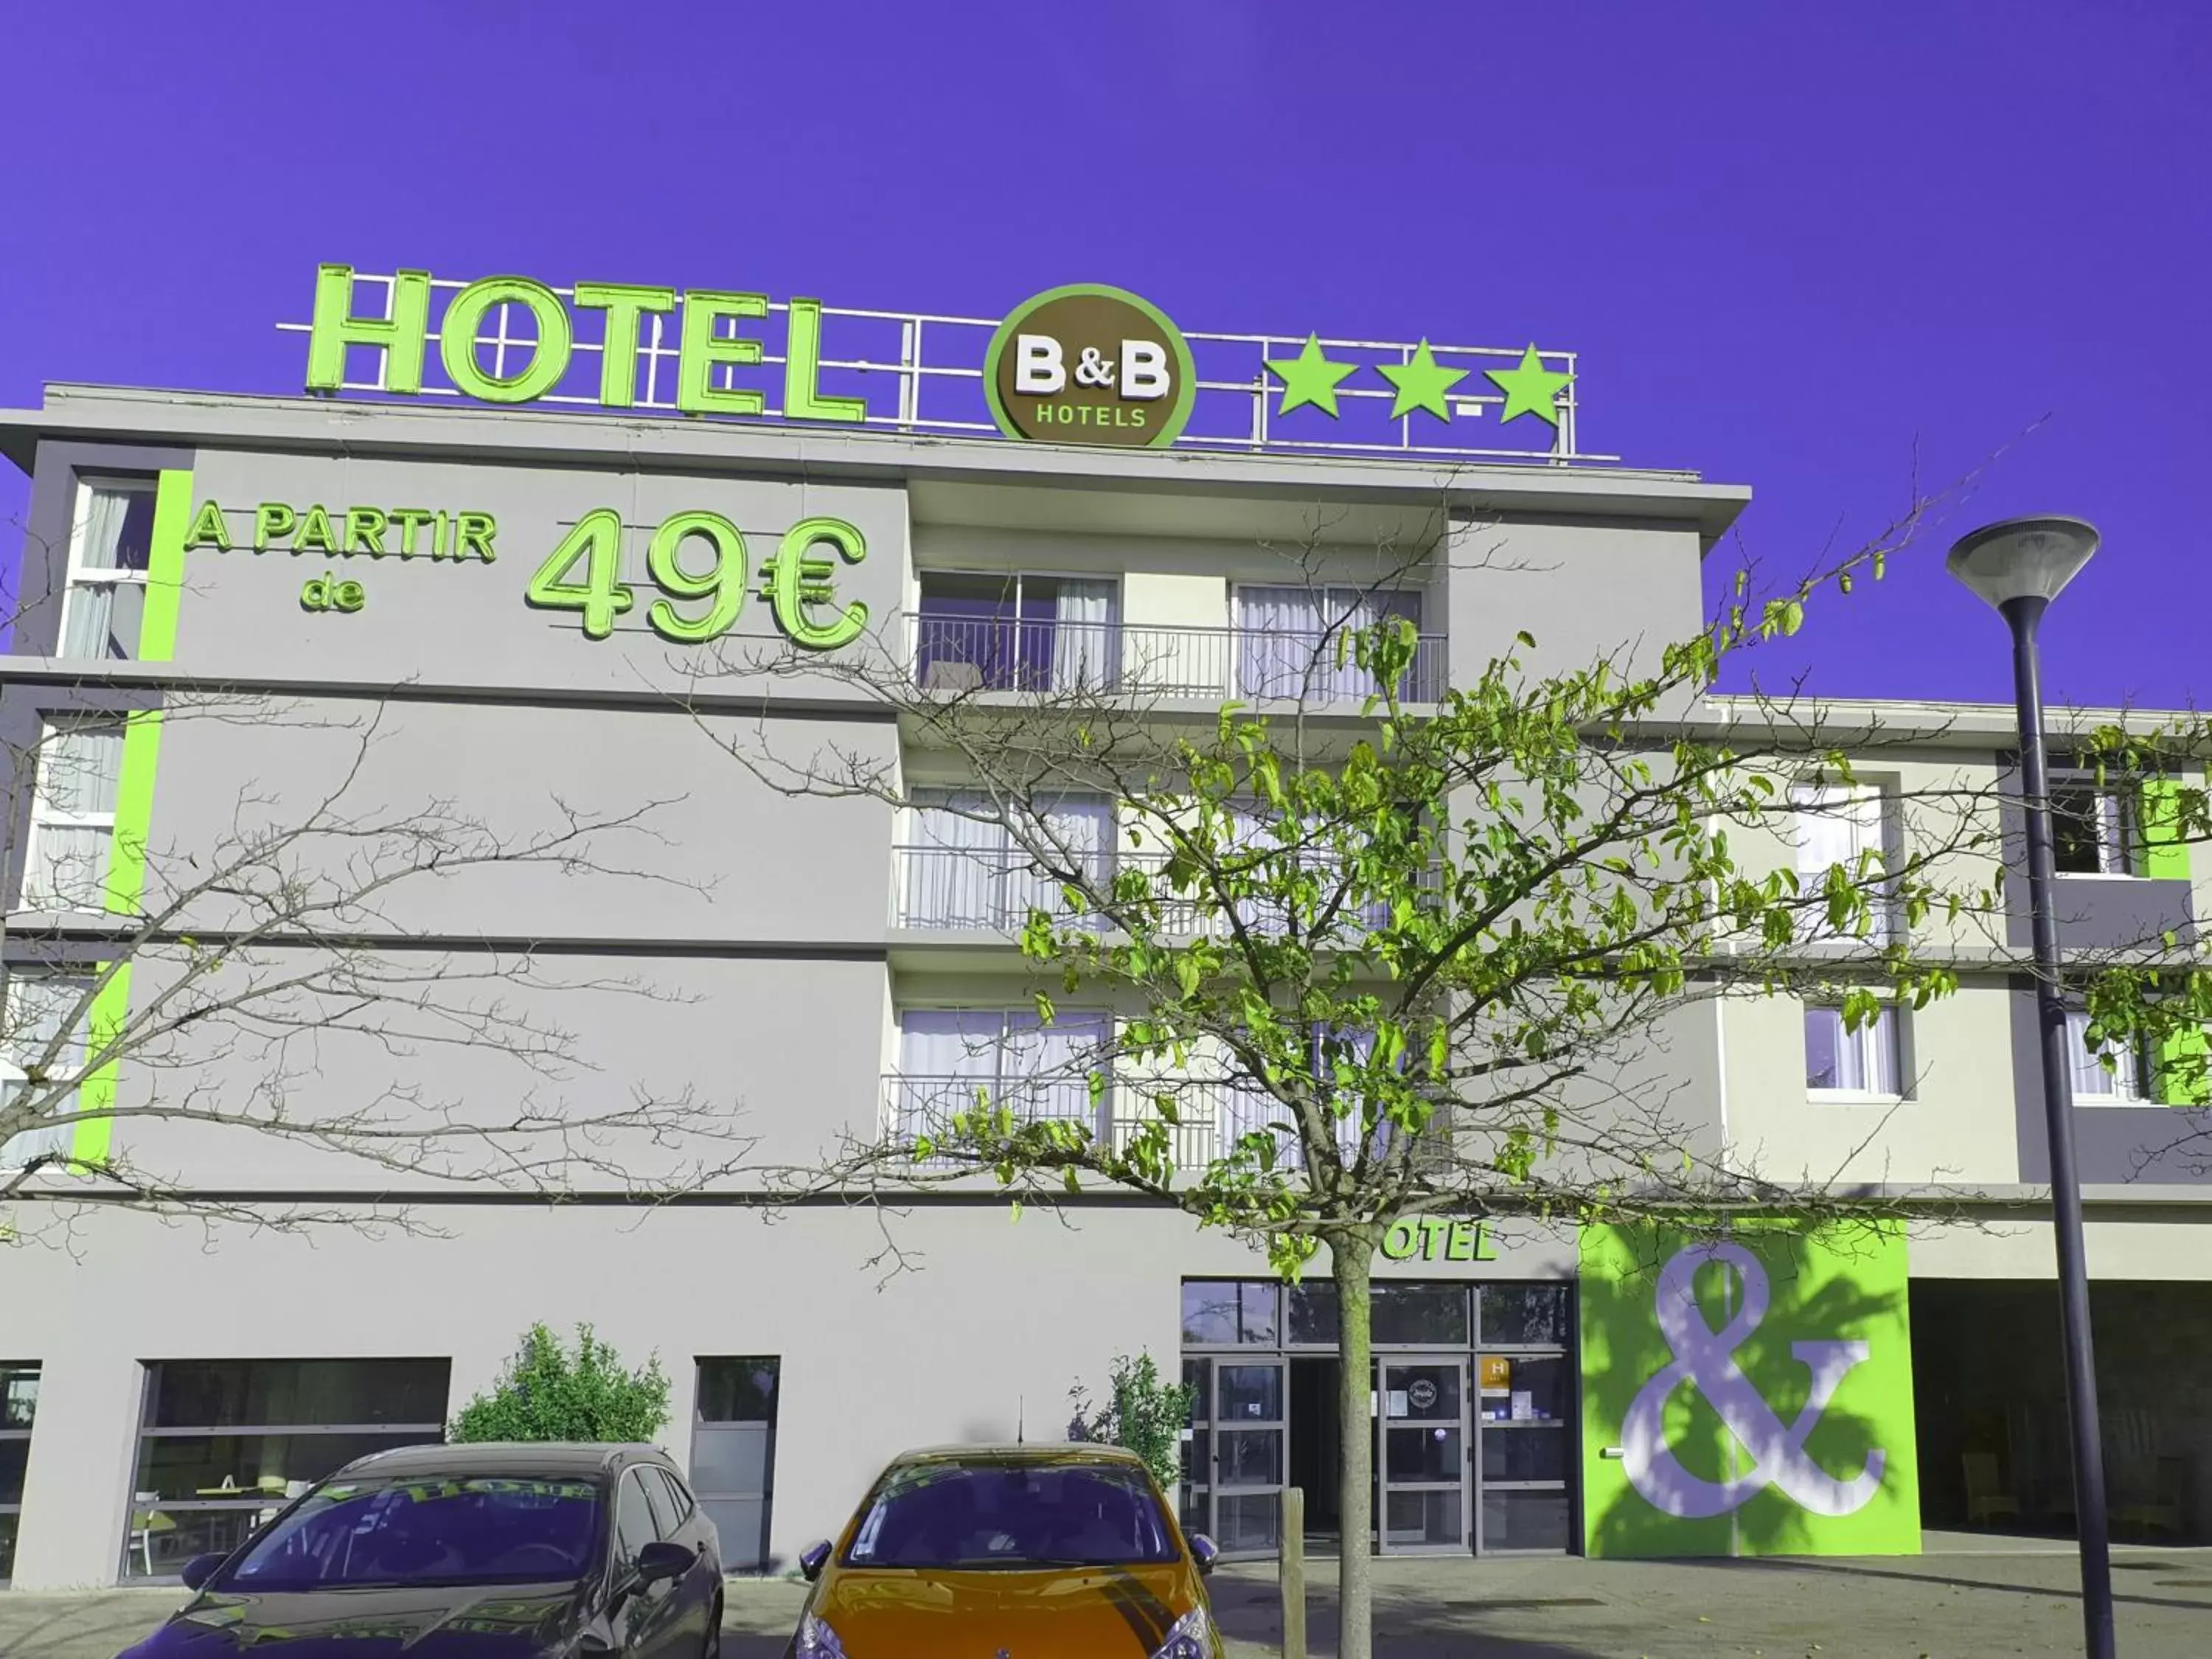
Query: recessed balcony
[{"x": 1063, "y": 637}]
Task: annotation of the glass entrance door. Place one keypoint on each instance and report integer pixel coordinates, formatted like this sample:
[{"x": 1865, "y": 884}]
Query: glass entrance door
[
  {"x": 1249, "y": 1434},
  {"x": 1422, "y": 1463}
]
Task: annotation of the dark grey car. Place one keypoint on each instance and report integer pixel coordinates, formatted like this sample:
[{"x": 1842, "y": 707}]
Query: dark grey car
[{"x": 472, "y": 1552}]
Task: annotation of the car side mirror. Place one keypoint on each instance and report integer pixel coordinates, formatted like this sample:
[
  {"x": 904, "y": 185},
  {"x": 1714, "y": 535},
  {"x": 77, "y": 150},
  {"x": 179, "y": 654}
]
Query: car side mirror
[
  {"x": 811, "y": 1559},
  {"x": 1204, "y": 1550},
  {"x": 664, "y": 1558},
  {"x": 200, "y": 1569}
]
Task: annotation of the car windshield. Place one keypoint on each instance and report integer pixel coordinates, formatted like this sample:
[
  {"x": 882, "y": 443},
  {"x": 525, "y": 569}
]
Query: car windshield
[
  {"x": 471, "y": 1530},
  {"x": 1008, "y": 1514}
]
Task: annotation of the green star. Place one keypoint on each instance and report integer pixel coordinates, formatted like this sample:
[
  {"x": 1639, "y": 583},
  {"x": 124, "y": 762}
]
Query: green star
[
  {"x": 1422, "y": 382},
  {"x": 1530, "y": 389},
  {"x": 1309, "y": 378}
]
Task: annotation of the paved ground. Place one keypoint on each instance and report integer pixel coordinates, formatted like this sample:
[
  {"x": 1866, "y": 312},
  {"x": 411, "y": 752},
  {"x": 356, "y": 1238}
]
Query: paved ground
[{"x": 1965, "y": 1600}]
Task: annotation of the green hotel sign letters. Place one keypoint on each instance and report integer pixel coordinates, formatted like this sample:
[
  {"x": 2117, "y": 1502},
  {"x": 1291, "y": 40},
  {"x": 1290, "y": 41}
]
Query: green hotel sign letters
[
  {"x": 1083, "y": 364},
  {"x": 1438, "y": 1238},
  {"x": 582, "y": 573}
]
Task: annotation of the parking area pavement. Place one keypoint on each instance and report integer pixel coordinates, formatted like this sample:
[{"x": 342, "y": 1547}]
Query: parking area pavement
[{"x": 1965, "y": 1599}]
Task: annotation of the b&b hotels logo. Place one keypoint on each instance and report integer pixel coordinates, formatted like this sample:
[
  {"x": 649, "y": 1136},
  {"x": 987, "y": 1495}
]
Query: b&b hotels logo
[{"x": 1088, "y": 364}]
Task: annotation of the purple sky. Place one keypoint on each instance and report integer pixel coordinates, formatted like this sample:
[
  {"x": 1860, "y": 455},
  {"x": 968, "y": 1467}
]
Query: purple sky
[{"x": 1809, "y": 249}]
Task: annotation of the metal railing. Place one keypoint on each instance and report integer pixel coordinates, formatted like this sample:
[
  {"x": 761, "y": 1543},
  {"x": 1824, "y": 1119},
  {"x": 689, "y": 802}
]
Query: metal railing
[
  {"x": 922, "y": 372},
  {"x": 965, "y": 654},
  {"x": 1213, "y": 1115},
  {"x": 995, "y": 888}
]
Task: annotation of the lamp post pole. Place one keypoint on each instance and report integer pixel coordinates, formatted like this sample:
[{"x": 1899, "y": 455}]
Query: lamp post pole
[
  {"x": 2023, "y": 615},
  {"x": 2019, "y": 566}
]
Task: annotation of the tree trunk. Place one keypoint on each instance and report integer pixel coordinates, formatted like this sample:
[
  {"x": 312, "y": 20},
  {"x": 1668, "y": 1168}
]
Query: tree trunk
[{"x": 1351, "y": 1262}]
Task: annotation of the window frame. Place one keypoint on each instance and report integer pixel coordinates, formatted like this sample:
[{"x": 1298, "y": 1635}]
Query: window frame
[
  {"x": 2118, "y": 818},
  {"x": 14, "y": 1509},
  {"x": 1831, "y": 800},
  {"x": 1326, "y": 632},
  {"x": 2141, "y": 1072},
  {"x": 1116, "y": 618},
  {"x": 78, "y": 576},
  {"x": 51, "y": 725},
  {"x": 619, "y": 1559},
  {"x": 12, "y": 1071},
  {"x": 1889, "y": 1017}
]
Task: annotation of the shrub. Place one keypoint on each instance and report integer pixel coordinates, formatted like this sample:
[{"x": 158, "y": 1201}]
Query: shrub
[
  {"x": 1145, "y": 1415},
  {"x": 547, "y": 1393}
]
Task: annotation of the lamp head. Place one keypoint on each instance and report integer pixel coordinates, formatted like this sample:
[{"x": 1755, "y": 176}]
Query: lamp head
[{"x": 2022, "y": 558}]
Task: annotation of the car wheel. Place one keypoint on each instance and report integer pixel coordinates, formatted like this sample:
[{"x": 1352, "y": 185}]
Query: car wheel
[{"x": 713, "y": 1650}]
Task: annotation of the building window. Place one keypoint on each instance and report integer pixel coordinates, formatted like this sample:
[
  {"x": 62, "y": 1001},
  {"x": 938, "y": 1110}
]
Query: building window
[
  {"x": 224, "y": 1444},
  {"x": 2125, "y": 1084},
  {"x": 71, "y": 843},
  {"x": 959, "y": 865},
  {"x": 42, "y": 1038},
  {"x": 1038, "y": 1072},
  {"x": 1854, "y": 826},
  {"x": 19, "y": 1405},
  {"x": 1287, "y": 641},
  {"x": 111, "y": 543},
  {"x": 733, "y": 1452},
  {"x": 1230, "y": 1312},
  {"x": 1018, "y": 631},
  {"x": 1868, "y": 1063},
  {"x": 2095, "y": 829}
]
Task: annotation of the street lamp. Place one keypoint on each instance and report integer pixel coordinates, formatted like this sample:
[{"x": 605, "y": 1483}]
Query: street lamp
[{"x": 2019, "y": 566}]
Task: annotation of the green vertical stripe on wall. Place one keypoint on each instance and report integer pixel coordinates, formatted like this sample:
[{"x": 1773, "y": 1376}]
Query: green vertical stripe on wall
[
  {"x": 165, "y": 567},
  {"x": 93, "y": 1137},
  {"x": 134, "y": 810},
  {"x": 2166, "y": 855}
]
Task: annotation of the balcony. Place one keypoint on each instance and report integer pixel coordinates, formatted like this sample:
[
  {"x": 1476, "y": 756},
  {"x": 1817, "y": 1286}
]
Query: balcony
[
  {"x": 955, "y": 653},
  {"x": 992, "y": 890},
  {"x": 1213, "y": 1114}
]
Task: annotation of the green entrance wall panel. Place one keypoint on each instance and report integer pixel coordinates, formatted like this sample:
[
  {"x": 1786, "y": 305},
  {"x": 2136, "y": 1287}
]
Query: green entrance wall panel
[{"x": 1746, "y": 1395}]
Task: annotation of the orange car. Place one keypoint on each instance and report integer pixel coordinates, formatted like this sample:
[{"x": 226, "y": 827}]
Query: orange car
[{"x": 1054, "y": 1551}]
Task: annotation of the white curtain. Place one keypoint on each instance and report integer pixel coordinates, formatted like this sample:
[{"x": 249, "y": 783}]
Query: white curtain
[
  {"x": 2091, "y": 1079},
  {"x": 38, "y": 1007},
  {"x": 956, "y": 864},
  {"x": 1864, "y": 1061},
  {"x": 1085, "y": 826},
  {"x": 1349, "y": 610},
  {"x": 1085, "y": 645},
  {"x": 951, "y": 1042},
  {"x": 1288, "y": 638},
  {"x": 67, "y": 862},
  {"x": 1277, "y": 629},
  {"x": 100, "y": 533},
  {"x": 1046, "y": 1068},
  {"x": 1836, "y": 826},
  {"x": 944, "y": 1055},
  {"x": 90, "y": 605},
  {"x": 79, "y": 766}
]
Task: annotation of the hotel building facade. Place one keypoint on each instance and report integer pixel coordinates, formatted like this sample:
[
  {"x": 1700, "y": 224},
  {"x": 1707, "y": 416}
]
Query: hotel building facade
[{"x": 800, "y": 967}]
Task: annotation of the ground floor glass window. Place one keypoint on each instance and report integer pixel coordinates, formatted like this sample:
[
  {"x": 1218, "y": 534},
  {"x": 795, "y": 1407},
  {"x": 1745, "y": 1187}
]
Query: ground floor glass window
[
  {"x": 1472, "y": 1399},
  {"x": 225, "y": 1444},
  {"x": 19, "y": 1405},
  {"x": 733, "y": 1453}
]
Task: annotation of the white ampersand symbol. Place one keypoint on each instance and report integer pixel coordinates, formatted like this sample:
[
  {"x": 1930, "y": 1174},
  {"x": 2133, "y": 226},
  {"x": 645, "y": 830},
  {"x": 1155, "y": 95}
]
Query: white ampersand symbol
[
  {"x": 1707, "y": 1358},
  {"x": 1093, "y": 369}
]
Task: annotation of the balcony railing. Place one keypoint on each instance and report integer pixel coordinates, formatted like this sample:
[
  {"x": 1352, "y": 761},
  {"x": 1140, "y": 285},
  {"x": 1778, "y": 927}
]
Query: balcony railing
[
  {"x": 966, "y": 654},
  {"x": 1214, "y": 1114},
  {"x": 993, "y": 890}
]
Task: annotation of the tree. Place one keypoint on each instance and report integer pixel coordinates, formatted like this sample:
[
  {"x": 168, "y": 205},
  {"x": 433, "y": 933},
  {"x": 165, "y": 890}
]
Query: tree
[
  {"x": 1143, "y": 1415},
  {"x": 285, "y": 980},
  {"x": 546, "y": 1393},
  {"x": 1429, "y": 963},
  {"x": 1428, "y": 966}
]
